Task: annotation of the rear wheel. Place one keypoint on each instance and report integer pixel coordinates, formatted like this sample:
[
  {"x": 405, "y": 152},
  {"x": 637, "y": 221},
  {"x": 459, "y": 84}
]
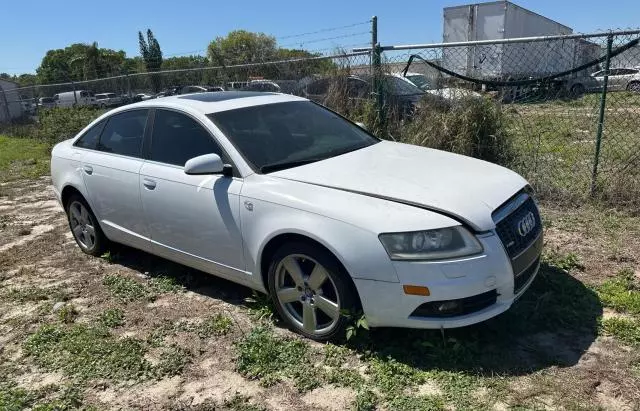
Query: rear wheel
[
  {"x": 634, "y": 87},
  {"x": 310, "y": 288},
  {"x": 84, "y": 227},
  {"x": 577, "y": 89}
]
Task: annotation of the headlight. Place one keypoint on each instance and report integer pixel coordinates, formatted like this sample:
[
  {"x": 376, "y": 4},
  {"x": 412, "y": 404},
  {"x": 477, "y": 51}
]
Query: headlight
[{"x": 438, "y": 244}]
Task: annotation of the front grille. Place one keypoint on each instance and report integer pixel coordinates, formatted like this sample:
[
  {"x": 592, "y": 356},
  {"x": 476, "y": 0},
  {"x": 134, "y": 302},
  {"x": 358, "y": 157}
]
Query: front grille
[
  {"x": 523, "y": 278},
  {"x": 510, "y": 228},
  {"x": 465, "y": 306}
]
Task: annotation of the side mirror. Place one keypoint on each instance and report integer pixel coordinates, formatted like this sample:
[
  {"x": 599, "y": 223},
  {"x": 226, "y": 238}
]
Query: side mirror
[
  {"x": 205, "y": 164},
  {"x": 361, "y": 125}
]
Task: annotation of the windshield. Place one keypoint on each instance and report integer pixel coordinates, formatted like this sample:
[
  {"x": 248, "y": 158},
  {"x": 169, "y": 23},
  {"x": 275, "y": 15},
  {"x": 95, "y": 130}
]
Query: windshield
[
  {"x": 401, "y": 87},
  {"x": 419, "y": 80},
  {"x": 283, "y": 135}
]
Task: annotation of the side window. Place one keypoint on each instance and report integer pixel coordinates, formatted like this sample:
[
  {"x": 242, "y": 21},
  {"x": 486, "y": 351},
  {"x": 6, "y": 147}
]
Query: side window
[
  {"x": 90, "y": 138},
  {"x": 177, "y": 138},
  {"x": 123, "y": 133}
]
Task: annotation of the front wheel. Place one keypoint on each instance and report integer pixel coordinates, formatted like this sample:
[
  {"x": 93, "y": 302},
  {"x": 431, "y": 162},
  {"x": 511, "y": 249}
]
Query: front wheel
[
  {"x": 577, "y": 90},
  {"x": 310, "y": 289}
]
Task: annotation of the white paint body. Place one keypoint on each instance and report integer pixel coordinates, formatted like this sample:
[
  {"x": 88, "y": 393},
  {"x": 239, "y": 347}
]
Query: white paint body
[{"x": 221, "y": 225}]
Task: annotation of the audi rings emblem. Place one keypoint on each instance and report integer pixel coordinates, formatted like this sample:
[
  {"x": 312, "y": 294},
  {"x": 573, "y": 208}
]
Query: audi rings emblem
[{"x": 527, "y": 224}]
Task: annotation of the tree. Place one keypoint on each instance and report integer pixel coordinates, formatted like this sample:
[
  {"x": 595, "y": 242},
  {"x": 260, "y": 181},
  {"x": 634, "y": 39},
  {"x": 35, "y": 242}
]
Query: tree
[
  {"x": 241, "y": 47},
  {"x": 152, "y": 56},
  {"x": 79, "y": 62}
]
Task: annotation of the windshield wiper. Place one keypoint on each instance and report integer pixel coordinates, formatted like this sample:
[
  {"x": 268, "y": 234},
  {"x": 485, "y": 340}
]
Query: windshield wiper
[{"x": 287, "y": 164}]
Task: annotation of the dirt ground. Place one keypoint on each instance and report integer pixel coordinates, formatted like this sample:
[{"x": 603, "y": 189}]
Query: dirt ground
[{"x": 187, "y": 331}]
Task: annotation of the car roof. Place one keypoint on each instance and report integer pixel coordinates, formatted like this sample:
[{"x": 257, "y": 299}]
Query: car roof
[{"x": 212, "y": 102}]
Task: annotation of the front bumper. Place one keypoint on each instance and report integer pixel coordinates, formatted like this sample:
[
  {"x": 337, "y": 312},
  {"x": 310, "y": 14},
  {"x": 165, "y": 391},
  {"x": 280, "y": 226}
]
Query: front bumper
[{"x": 484, "y": 286}]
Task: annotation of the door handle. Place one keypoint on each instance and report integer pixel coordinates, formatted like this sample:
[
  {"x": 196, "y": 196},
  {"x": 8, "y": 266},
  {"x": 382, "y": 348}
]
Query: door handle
[
  {"x": 148, "y": 183},
  {"x": 88, "y": 169}
]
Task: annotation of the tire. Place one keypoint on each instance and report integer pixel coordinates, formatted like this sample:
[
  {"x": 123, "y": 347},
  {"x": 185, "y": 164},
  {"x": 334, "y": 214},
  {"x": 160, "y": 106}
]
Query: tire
[
  {"x": 312, "y": 304},
  {"x": 577, "y": 89},
  {"x": 634, "y": 87},
  {"x": 84, "y": 227}
]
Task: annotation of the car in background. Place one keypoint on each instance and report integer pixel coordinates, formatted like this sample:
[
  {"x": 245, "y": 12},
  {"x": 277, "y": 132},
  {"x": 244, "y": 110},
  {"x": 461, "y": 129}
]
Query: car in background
[
  {"x": 104, "y": 100},
  {"x": 78, "y": 98},
  {"x": 620, "y": 79},
  {"x": 237, "y": 85},
  {"x": 46, "y": 102},
  {"x": 142, "y": 97},
  {"x": 199, "y": 89},
  {"x": 29, "y": 106},
  {"x": 290, "y": 199},
  {"x": 400, "y": 97},
  {"x": 267, "y": 86},
  {"x": 424, "y": 83}
]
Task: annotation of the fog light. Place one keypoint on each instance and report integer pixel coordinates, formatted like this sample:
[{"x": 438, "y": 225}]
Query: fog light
[
  {"x": 416, "y": 290},
  {"x": 448, "y": 306}
]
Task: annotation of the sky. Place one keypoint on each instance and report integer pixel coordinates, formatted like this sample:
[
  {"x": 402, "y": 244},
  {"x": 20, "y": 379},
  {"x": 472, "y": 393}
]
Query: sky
[{"x": 187, "y": 27}]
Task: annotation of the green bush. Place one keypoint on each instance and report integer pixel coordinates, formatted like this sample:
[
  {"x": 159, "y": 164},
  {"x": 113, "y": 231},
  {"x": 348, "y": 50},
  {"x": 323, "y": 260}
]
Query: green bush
[
  {"x": 59, "y": 124},
  {"x": 470, "y": 126}
]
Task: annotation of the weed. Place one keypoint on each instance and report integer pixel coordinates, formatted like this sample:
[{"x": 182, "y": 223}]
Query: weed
[
  {"x": 109, "y": 257},
  {"x": 241, "y": 402},
  {"x": 164, "y": 284},
  {"x": 365, "y": 400},
  {"x": 172, "y": 361},
  {"x": 112, "y": 317},
  {"x": 344, "y": 377},
  {"x": 214, "y": 326},
  {"x": 260, "y": 307},
  {"x": 564, "y": 262},
  {"x": 267, "y": 357},
  {"x": 127, "y": 289},
  {"x": 157, "y": 335},
  {"x": 416, "y": 403},
  {"x": 626, "y": 330},
  {"x": 68, "y": 314},
  {"x": 35, "y": 294},
  {"x": 335, "y": 355},
  {"x": 392, "y": 376},
  {"x": 621, "y": 293},
  {"x": 87, "y": 352},
  {"x": 13, "y": 398}
]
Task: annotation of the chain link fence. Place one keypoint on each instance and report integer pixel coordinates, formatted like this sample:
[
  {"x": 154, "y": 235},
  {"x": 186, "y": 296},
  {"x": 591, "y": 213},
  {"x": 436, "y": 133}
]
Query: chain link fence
[{"x": 564, "y": 111}]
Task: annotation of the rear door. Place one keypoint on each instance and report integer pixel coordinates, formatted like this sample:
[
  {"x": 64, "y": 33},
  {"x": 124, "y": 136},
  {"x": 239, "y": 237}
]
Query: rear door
[
  {"x": 193, "y": 219},
  {"x": 111, "y": 175}
]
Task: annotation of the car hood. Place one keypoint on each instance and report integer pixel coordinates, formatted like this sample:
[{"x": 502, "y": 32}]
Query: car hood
[{"x": 461, "y": 187}]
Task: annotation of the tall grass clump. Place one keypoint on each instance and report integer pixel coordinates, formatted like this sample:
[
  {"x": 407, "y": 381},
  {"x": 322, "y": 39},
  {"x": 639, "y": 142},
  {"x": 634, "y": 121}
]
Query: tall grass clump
[{"x": 472, "y": 126}]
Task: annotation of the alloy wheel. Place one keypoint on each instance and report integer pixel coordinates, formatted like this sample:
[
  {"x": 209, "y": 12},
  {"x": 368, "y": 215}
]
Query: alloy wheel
[
  {"x": 82, "y": 225},
  {"x": 307, "y": 294}
]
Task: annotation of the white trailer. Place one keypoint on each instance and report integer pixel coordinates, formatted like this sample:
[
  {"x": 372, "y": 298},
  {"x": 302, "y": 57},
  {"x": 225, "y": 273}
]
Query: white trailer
[
  {"x": 503, "y": 20},
  {"x": 10, "y": 102}
]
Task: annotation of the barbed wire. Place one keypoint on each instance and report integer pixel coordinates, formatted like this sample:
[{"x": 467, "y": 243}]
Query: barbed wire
[{"x": 324, "y": 30}]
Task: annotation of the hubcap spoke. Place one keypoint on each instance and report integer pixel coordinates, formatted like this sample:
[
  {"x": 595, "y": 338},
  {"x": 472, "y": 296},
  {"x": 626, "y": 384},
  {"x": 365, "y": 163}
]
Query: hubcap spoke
[
  {"x": 77, "y": 230},
  {"x": 84, "y": 215},
  {"x": 88, "y": 240},
  {"x": 327, "y": 306},
  {"x": 75, "y": 214},
  {"x": 317, "y": 278},
  {"x": 309, "y": 321},
  {"x": 90, "y": 230},
  {"x": 293, "y": 268},
  {"x": 288, "y": 295}
]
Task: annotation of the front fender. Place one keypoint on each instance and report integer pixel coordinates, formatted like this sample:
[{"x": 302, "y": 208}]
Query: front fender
[{"x": 359, "y": 250}]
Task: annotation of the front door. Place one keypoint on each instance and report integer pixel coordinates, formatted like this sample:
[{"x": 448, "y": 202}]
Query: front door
[
  {"x": 193, "y": 219},
  {"x": 111, "y": 175}
]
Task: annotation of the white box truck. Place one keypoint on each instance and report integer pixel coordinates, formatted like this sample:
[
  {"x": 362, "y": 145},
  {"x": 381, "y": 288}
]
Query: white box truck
[{"x": 503, "y": 20}]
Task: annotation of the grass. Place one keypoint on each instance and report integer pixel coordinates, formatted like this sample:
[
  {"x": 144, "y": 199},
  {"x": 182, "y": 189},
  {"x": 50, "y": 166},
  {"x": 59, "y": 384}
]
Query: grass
[
  {"x": 165, "y": 284},
  {"x": 127, "y": 289},
  {"x": 622, "y": 293},
  {"x": 112, "y": 318},
  {"x": 22, "y": 158},
  {"x": 13, "y": 398},
  {"x": 215, "y": 325},
  {"x": 68, "y": 314},
  {"x": 87, "y": 352},
  {"x": 35, "y": 294},
  {"x": 626, "y": 330}
]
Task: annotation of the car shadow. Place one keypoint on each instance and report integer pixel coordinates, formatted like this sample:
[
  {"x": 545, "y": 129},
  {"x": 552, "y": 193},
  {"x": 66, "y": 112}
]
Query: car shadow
[{"x": 553, "y": 324}]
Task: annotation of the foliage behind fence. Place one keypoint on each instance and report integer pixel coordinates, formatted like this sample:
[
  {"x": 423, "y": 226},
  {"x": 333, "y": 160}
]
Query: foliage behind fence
[{"x": 502, "y": 102}]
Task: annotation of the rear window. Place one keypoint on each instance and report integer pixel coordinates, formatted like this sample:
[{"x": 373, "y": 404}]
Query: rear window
[
  {"x": 123, "y": 133},
  {"x": 90, "y": 138}
]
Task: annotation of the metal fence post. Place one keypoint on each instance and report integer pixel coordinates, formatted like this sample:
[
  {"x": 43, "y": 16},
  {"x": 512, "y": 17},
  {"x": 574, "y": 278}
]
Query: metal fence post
[
  {"x": 376, "y": 62},
  {"x": 75, "y": 97},
  {"x": 603, "y": 103}
]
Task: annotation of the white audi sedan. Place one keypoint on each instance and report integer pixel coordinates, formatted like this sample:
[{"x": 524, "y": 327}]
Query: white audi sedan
[{"x": 286, "y": 197}]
